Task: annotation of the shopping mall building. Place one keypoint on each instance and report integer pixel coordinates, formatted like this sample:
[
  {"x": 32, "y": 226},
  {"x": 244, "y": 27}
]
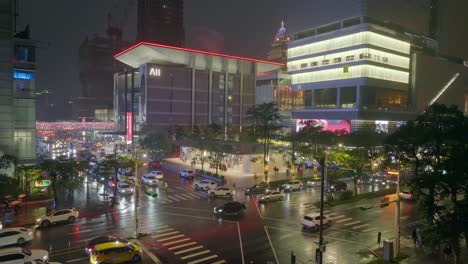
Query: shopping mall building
[
  {"x": 171, "y": 86},
  {"x": 359, "y": 72}
]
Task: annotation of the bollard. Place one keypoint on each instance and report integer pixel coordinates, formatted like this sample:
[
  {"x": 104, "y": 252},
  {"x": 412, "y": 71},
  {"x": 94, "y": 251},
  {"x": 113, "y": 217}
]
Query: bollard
[
  {"x": 293, "y": 258},
  {"x": 379, "y": 238}
]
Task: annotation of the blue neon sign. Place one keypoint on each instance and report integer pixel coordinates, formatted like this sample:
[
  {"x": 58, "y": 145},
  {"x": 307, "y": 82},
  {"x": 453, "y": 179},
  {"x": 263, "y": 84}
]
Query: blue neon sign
[{"x": 23, "y": 75}]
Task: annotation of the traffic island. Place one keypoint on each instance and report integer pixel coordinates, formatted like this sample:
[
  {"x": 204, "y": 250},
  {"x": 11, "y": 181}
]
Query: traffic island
[{"x": 379, "y": 253}]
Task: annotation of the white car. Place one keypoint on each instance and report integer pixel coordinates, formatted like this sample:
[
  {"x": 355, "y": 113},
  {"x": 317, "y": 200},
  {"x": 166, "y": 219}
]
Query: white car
[
  {"x": 124, "y": 188},
  {"x": 205, "y": 185},
  {"x": 405, "y": 195},
  {"x": 312, "y": 220},
  {"x": 64, "y": 215},
  {"x": 15, "y": 235},
  {"x": 292, "y": 185},
  {"x": 221, "y": 191},
  {"x": 158, "y": 174},
  {"x": 186, "y": 174},
  {"x": 314, "y": 183},
  {"x": 271, "y": 196},
  {"x": 22, "y": 255},
  {"x": 149, "y": 179}
]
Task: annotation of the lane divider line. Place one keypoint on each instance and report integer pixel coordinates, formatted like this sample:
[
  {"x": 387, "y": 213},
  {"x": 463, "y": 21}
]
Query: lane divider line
[
  {"x": 165, "y": 234},
  {"x": 219, "y": 262},
  {"x": 360, "y": 226},
  {"x": 203, "y": 259},
  {"x": 336, "y": 217}
]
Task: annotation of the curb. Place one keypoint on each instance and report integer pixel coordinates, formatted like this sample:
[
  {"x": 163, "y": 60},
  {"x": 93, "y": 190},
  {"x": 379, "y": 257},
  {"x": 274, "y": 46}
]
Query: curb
[{"x": 39, "y": 201}]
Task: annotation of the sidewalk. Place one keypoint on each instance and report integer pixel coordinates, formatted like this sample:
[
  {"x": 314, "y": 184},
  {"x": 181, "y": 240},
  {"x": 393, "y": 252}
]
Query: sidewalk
[{"x": 240, "y": 179}]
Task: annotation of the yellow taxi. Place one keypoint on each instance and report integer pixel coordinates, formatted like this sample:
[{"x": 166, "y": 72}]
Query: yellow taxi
[{"x": 115, "y": 252}]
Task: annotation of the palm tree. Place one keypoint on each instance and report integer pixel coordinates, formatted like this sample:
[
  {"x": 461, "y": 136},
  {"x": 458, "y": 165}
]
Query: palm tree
[{"x": 265, "y": 121}]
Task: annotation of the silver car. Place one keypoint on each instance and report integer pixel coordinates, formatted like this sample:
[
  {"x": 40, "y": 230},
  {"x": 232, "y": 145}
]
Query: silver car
[{"x": 271, "y": 196}]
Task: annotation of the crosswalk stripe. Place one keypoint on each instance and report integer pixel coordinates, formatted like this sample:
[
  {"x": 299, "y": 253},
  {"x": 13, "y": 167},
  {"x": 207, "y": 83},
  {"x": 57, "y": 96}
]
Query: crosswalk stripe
[
  {"x": 183, "y": 245},
  {"x": 187, "y": 250},
  {"x": 162, "y": 227},
  {"x": 344, "y": 220},
  {"x": 369, "y": 229},
  {"x": 192, "y": 195},
  {"x": 169, "y": 238},
  {"x": 173, "y": 198},
  {"x": 352, "y": 223},
  {"x": 359, "y": 226},
  {"x": 161, "y": 201},
  {"x": 219, "y": 262},
  {"x": 326, "y": 211},
  {"x": 332, "y": 214},
  {"x": 164, "y": 230},
  {"x": 197, "y": 194},
  {"x": 195, "y": 254},
  {"x": 175, "y": 242},
  {"x": 336, "y": 217},
  {"x": 180, "y": 197},
  {"x": 165, "y": 234},
  {"x": 186, "y": 196},
  {"x": 203, "y": 259}
]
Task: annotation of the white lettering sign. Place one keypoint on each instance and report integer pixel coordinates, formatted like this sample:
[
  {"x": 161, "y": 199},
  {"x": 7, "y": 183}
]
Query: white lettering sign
[{"x": 155, "y": 72}]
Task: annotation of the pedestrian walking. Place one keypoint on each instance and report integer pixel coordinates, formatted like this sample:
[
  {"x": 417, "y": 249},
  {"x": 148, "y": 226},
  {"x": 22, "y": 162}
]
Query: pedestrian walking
[
  {"x": 287, "y": 172},
  {"x": 166, "y": 186},
  {"x": 414, "y": 236},
  {"x": 276, "y": 170},
  {"x": 447, "y": 251}
]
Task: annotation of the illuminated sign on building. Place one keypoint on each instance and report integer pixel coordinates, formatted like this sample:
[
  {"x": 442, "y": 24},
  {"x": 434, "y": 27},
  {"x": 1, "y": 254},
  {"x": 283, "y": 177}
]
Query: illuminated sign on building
[
  {"x": 129, "y": 127},
  {"x": 334, "y": 126},
  {"x": 155, "y": 72},
  {"x": 23, "y": 75}
]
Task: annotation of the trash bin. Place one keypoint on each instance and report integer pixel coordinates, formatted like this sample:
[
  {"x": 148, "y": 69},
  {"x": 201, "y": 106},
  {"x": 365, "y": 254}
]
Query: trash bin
[{"x": 387, "y": 250}]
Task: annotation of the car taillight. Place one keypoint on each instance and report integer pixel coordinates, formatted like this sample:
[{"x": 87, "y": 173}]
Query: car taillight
[{"x": 30, "y": 233}]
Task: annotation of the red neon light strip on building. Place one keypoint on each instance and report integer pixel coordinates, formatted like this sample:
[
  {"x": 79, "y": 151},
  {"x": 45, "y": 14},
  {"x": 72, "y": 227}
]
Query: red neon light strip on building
[
  {"x": 196, "y": 51},
  {"x": 129, "y": 127}
]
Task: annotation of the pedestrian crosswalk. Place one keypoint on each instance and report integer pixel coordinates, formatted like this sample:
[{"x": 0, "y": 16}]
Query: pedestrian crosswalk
[
  {"x": 183, "y": 247},
  {"x": 173, "y": 197}
]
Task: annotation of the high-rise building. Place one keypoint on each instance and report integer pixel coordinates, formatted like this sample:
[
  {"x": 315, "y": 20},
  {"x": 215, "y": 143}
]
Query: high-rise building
[
  {"x": 279, "y": 46},
  {"x": 17, "y": 88},
  {"x": 161, "y": 21},
  {"x": 96, "y": 70}
]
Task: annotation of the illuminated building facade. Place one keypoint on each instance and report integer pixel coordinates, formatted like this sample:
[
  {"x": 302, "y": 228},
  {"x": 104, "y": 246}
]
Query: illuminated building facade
[
  {"x": 368, "y": 73},
  {"x": 173, "y": 86}
]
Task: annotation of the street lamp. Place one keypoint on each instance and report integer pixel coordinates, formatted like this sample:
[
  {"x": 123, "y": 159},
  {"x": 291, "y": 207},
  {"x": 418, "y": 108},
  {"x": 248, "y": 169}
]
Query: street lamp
[{"x": 397, "y": 201}]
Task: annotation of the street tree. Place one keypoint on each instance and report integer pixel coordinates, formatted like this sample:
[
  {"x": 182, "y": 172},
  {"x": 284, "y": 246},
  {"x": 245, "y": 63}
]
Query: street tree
[
  {"x": 265, "y": 123},
  {"x": 114, "y": 162},
  {"x": 353, "y": 161},
  {"x": 156, "y": 143}
]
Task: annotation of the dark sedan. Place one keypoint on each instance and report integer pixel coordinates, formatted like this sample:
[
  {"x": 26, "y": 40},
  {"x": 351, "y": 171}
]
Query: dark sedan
[
  {"x": 257, "y": 189},
  {"x": 229, "y": 208}
]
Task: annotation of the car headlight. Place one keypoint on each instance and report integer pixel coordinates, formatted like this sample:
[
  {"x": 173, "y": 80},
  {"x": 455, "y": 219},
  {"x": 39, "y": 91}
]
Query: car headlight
[
  {"x": 38, "y": 219},
  {"x": 220, "y": 210}
]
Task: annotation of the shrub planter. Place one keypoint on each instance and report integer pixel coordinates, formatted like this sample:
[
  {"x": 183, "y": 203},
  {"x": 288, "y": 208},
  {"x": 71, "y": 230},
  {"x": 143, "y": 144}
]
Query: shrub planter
[{"x": 204, "y": 175}]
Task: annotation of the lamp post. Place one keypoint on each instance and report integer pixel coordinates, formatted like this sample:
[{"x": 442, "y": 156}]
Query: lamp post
[{"x": 397, "y": 201}]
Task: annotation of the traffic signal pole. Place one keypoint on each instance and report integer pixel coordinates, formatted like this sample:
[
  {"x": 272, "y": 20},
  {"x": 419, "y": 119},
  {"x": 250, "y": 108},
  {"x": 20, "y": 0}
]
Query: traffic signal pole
[{"x": 319, "y": 258}]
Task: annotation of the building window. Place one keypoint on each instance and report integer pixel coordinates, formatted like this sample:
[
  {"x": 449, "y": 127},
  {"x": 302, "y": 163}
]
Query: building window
[
  {"x": 336, "y": 60},
  {"x": 364, "y": 56},
  {"x": 314, "y": 63},
  {"x": 325, "y": 62},
  {"x": 350, "y": 58},
  {"x": 385, "y": 59},
  {"x": 303, "y": 65}
]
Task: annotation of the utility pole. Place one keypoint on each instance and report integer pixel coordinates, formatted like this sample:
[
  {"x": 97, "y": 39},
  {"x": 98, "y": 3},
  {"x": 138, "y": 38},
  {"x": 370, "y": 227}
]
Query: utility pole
[
  {"x": 321, "y": 248},
  {"x": 135, "y": 154},
  {"x": 397, "y": 204}
]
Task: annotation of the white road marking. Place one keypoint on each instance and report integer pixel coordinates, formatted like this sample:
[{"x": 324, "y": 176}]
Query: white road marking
[
  {"x": 164, "y": 230},
  {"x": 180, "y": 197},
  {"x": 203, "y": 259},
  {"x": 195, "y": 254},
  {"x": 175, "y": 242},
  {"x": 369, "y": 229},
  {"x": 219, "y": 262},
  {"x": 271, "y": 244},
  {"x": 376, "y": 212},
  {"x": 360, "y": 226},
  {"x": 183, "y": 245},
  {"x": 165, "y": 234},
  {"x": 149, "y": 253},
  {"x": 336, "y": 217},
  {"x": 162, "y": 227},
  {"x": 173, "y": 198},
  {"x": 169, "y": 238},
  {"x": 192, "y": 195},
  {"x": 198, "y": 194},
  {"x": 240, "y": 242},
  {"x": 332, "y": 214},
  {"x": 75, "y": 260},
  {"x": 344, "y": 220},
  {"x": 352, "y": 223},
  {"x": 186, "y": 196},
  {"x": 187, "y": 250}
]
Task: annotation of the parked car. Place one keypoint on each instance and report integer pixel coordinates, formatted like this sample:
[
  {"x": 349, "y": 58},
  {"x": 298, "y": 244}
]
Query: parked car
[
  {"x": 101, "y": 240},
  {"x": 186, "y": 174},
  {"x": 257, "y": 189},
  {"x": 314, "y": 183},
  {"x": 312, "y": 220},
  {"x": 271, "y": 196},
  {"x": 406, "y": 195},
  {"x": 149, "y": 180},
  {"x": 22, "y": 255},
  {"x": 115, "y": 252},
  {"x": 221, "y": 191},
  {"x": 15, "y": 235},
  {"x": 292, "y": 185},
  {"x": 64, "y": 215},
  {"x": 229, "y": 208},
  {"x": 205, "y": 185},
  {"x": 158, "y": 174},
  {"x": 124, "y": 188},
  {"x": 337, "y": 186}
]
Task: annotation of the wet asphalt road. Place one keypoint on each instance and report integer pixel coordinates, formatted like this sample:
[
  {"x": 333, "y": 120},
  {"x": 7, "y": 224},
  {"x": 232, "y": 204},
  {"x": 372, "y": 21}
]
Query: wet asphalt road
[{"x": 181, "y": 228}]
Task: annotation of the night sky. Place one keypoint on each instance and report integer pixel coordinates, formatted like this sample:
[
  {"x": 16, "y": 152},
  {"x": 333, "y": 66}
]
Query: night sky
[{"x": 240, "y": 27}]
